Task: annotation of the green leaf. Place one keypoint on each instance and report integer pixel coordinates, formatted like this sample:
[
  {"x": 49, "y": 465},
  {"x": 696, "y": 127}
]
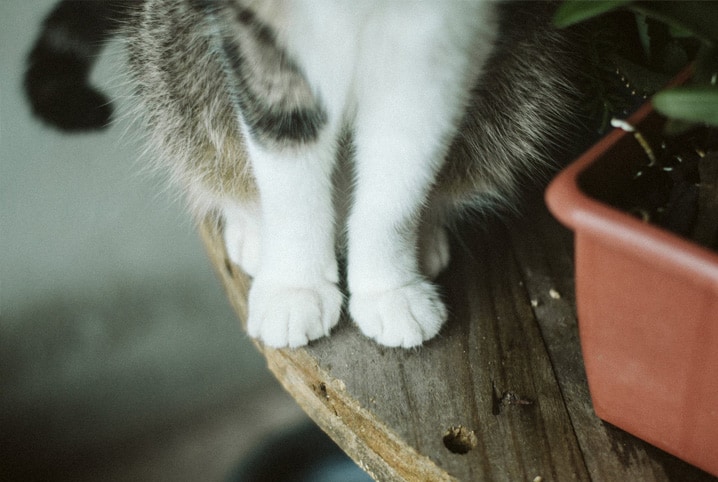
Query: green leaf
[
  {"x": 696, "y": 103},
  {"x": 575, "y": 11}
]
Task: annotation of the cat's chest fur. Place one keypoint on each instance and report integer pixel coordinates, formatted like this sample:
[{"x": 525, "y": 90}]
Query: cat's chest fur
[{"x": 296, "y": 62}]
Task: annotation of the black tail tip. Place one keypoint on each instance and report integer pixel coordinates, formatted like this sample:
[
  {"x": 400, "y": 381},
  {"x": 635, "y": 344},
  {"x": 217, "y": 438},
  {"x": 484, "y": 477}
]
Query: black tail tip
[{"x": 68, "y": 104}]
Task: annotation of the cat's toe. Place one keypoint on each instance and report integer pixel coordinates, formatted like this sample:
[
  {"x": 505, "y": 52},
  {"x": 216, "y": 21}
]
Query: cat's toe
[
  {"x": 287, "y": 316},
  {"x": 435, "y": 252},
  {"x": 404, "y": 317}
]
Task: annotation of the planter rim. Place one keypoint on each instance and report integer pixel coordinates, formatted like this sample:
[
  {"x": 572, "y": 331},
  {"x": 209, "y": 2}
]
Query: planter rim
[{"x": 573, "y": 207}]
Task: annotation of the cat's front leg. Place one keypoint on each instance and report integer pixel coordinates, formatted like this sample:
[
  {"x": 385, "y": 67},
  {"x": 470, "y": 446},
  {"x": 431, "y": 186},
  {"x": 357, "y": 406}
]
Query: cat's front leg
[
  {"x": 294, "y": 296},
  {"x": 412, "y": 86},
  {"x": 391, "y": 300},
  {"x": 413, "y": 313}
]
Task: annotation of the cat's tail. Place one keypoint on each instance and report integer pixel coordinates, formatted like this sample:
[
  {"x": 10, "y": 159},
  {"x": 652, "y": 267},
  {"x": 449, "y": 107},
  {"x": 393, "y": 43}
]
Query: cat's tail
[{"x": 57, "y": 78}]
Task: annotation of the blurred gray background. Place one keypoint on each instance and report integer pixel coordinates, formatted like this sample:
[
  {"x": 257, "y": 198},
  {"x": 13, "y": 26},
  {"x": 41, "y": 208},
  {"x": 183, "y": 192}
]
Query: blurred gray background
[{"x": 120, "y": 358}]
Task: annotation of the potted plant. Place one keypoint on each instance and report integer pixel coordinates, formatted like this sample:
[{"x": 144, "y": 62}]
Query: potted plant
[{"x": 647, "y": 297}]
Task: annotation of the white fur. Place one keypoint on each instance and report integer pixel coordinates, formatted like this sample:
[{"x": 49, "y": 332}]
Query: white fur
[
  {"x": 242, "y": 235},
  {"x": 434, "y": 249},
  {"x": 399, "y": 72}
]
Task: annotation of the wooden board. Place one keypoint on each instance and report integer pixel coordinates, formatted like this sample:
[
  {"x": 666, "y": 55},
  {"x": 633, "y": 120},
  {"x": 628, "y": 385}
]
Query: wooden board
[{"x": 500, "y": 394}]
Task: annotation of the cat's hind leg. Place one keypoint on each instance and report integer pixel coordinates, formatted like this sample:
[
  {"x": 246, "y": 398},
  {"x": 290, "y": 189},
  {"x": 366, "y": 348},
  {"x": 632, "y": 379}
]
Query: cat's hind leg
[
  {"x": 434, "y": 244},
  {"x": 242, "y": 234}
]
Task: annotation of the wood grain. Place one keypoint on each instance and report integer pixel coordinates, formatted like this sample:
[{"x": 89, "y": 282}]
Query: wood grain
[{"x": 506, "y": 368}]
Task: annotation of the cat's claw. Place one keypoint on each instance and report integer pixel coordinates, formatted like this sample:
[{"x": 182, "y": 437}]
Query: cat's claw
[
  {"x": 405, "y": 317},
  {"x": 287, "y": 316}
]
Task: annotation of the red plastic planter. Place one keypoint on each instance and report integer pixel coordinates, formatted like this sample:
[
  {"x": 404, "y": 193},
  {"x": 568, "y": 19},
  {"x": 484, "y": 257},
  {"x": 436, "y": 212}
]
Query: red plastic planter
[{"x": 647, "y": 308}]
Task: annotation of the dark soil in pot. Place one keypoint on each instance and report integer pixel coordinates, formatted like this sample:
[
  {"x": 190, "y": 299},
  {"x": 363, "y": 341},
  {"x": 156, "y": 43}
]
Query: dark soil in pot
[{"x": 669, "y": 181}]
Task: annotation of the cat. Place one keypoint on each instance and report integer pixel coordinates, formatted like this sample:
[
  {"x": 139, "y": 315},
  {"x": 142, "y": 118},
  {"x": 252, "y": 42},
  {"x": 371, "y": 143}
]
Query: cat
[{"x": 322, "y": 130}]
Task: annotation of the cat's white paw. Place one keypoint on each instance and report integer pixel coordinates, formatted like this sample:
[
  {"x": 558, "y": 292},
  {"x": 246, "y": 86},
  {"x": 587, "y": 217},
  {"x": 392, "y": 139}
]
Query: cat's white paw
[
  {"x": 435, "y": 252},
  {"x": 405, "y": 316},
  {"x": 292, "y": 316},
  {"x": 242, "y": 242}
]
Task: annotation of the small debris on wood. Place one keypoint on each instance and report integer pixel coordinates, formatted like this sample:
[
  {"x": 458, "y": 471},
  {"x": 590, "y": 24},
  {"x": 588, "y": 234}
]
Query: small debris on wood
[
  {"x": 554, "y": 294},
  {"x": 510, "y": 398},
  {"x": 507, "y": 399}
]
